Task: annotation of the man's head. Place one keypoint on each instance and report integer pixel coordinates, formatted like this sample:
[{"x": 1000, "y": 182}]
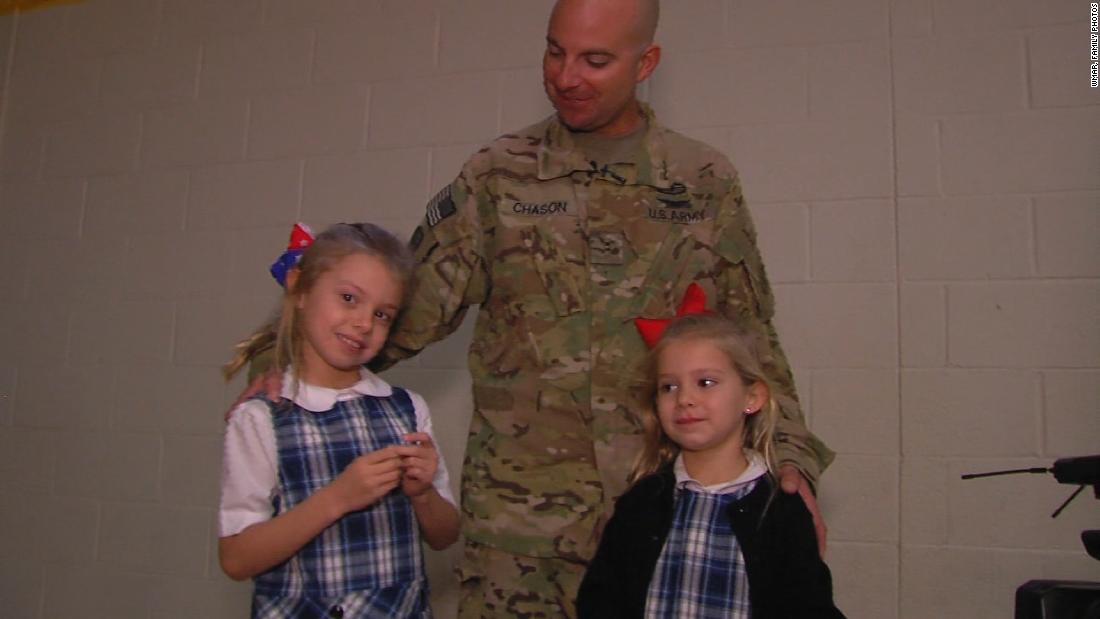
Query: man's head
[{"x": 597, "y": 51}]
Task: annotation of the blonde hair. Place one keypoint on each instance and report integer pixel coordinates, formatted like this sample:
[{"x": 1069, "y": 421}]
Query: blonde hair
[
  {"x": 282, "y": 330},
  {"x": 659, "y": 450}
]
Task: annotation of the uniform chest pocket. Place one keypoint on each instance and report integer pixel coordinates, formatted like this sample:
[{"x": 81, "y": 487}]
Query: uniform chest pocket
[
  {"x": 539, "y": 269},
  {"x": 680, "y": 258},
  {"x": 560, "y": 271},
  {"x": 537, "y": 282}
]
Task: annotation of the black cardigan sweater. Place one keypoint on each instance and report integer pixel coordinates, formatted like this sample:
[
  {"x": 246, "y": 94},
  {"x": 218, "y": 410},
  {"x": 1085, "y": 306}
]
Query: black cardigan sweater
[{"x": 787, "y": 578}]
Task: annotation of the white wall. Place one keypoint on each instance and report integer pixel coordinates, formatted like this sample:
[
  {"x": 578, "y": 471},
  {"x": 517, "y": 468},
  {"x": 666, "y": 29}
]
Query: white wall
[{"x": 925, "y": 175}]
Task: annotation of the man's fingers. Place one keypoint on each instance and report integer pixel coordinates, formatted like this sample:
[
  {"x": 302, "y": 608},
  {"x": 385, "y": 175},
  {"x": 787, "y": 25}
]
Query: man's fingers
[
  {"x": 819, "y": 523},
  {"x": 822, "y": 535},
  {"x": 792, "y": 481},
  {"x": 272, "y": 382},
  {"x": 250, "y": 390}
]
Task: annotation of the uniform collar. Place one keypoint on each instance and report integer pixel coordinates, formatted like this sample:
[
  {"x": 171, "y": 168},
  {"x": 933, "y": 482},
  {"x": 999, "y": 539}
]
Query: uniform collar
[
  {"x": 754, "y": 471},
  {"x": 558, "y": 156},
  {"x": 319, "y": 399}
]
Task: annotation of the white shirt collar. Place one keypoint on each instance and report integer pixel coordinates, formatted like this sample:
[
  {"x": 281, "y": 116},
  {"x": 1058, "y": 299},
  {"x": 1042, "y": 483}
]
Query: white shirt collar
[
  {"x": 755, "y": 470},
  {"x": 320, "y": 399}
]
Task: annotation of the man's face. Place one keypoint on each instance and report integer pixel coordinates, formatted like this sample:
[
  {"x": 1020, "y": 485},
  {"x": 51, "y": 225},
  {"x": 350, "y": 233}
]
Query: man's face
[{"x": 593, "y": 60}]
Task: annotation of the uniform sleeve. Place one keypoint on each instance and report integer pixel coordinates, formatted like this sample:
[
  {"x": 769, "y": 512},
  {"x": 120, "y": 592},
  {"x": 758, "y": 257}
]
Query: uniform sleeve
[
  {"x": 748, "y": 300},
  {"x": 249, "y": 470},
  {"x": 442, "y": 480},
  {"x": 450, "y": 272}
]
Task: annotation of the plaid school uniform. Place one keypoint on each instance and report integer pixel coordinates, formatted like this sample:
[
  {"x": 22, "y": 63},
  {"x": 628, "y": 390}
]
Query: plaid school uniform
[
  {"x": 701, "y": 571},
  {"x": 367, "y": 564}
]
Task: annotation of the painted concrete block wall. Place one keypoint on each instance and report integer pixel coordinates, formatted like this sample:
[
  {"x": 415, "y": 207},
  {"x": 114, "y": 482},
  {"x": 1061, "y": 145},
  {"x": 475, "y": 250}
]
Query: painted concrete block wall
[{"x": 924, "y": 174}]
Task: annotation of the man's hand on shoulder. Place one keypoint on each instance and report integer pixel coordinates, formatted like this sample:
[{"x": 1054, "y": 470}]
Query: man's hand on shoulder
[
  {"x": 792, "y": 481},
  {"x": 270, "y": 383}
]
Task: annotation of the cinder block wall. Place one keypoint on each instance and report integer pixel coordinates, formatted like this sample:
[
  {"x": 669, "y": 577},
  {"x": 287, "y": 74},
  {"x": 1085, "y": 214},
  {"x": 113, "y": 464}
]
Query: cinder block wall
[{"x": 925, "y": 176}]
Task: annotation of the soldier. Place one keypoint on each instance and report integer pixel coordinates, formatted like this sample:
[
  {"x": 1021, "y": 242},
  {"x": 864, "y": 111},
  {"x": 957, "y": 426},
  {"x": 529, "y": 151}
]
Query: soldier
[{"x": 562, "y": 233}]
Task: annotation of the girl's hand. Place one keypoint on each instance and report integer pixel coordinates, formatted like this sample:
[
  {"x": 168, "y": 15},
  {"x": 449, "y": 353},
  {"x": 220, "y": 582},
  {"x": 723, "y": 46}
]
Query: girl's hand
[
  {"x": 367, "y": 479},
  {"x": 419, "y": 461}
]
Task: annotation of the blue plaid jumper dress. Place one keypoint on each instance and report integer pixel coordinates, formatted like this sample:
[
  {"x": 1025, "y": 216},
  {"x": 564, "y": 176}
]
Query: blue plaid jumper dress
[
  {"x": 367, "y": 564},
  {"x": 701, "y": 571}
]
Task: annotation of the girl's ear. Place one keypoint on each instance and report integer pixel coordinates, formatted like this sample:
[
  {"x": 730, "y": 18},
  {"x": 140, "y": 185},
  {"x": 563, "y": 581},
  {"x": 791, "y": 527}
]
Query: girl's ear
[
  {"x": 292, "y": 283},
  {"x": 292, "y": 278},
  {"x": 757, "y": 396}
]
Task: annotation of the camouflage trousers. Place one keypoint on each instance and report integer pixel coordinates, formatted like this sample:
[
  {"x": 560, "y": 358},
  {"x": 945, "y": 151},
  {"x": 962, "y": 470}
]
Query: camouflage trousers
[{"x": 500, "y": 585}]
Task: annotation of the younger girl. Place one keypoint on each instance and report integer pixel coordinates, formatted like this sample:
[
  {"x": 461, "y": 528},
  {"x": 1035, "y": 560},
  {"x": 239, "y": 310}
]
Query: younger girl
[
  {"x": 326, "y": 494},
  {"x": 702, "y": 532}
]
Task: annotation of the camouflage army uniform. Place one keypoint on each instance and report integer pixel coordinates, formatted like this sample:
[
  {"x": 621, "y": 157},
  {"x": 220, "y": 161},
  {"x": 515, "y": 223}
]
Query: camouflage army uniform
[{"x": 561, "y": 253}]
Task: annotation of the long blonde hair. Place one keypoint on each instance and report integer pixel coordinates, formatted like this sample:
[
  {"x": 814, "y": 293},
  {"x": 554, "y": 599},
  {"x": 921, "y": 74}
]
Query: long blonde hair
[
  {"x": 283, "y": 329},
  {"x": 659, "y": 450}
]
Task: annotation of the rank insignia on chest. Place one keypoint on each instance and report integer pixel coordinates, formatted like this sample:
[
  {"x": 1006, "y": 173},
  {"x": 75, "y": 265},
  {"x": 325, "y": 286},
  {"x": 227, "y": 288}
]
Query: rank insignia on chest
[{"x": 606, "y": 248}]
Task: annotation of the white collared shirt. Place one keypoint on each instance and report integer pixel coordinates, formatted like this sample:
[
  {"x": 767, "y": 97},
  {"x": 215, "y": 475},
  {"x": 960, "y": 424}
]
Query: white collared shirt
[
  {"x": 250, "y": 457},
  {"x": 755, "y": 470}
]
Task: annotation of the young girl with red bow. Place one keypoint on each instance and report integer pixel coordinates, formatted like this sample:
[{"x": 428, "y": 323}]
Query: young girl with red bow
[
  {"x": 702, "y": 532},
  {"x": 327, "y": 493}
]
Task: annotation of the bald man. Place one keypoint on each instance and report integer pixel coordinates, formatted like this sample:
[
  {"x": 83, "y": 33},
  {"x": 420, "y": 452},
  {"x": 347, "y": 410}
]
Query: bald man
[{"x": 562, "y": 233}]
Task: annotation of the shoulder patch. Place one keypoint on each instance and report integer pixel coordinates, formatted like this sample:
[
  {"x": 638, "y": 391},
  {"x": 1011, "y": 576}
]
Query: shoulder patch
[{"x": 440, "y": 207}]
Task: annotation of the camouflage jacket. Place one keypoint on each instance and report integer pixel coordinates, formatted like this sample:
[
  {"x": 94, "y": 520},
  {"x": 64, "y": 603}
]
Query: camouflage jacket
[{"x": 561, "y": 254}]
